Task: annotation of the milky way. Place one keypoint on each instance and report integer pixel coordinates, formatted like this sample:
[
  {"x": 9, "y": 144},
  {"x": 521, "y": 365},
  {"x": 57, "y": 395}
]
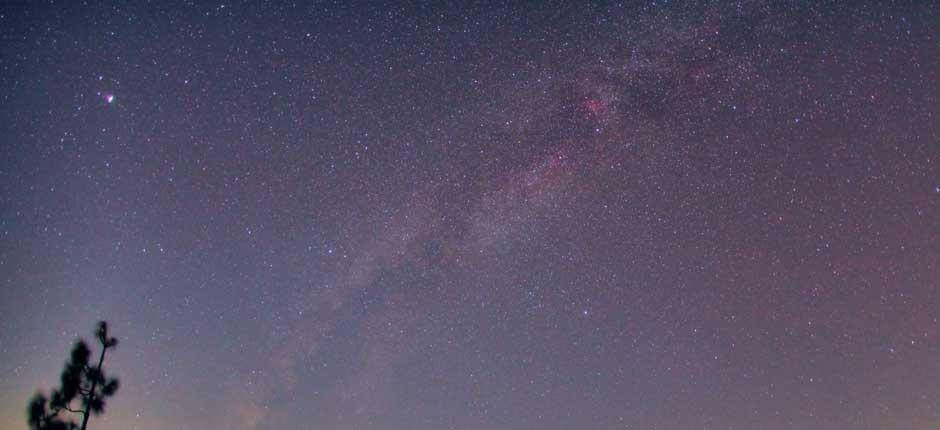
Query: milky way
[{"x": 631, "y": 216}]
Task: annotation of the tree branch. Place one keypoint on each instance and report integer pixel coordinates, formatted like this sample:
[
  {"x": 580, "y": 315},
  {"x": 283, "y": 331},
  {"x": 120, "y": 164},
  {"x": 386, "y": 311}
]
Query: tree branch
[{"x": 79, "y": 411}]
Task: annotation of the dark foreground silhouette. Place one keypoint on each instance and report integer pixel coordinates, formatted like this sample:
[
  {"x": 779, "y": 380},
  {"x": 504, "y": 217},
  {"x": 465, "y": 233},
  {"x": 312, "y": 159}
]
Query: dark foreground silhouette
[{"x": 83, "y": 391}]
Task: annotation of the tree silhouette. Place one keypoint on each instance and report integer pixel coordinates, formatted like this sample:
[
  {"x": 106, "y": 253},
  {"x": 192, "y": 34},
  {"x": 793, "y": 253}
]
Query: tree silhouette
[{"x": 81, "y": 383}]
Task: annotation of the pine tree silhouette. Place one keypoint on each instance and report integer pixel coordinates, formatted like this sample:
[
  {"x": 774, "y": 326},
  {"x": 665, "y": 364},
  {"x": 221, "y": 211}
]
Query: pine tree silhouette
[{"x": 82, "y": 383}]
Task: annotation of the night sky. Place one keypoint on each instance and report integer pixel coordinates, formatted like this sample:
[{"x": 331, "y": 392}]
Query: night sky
[{"x": 544, "y": 216}]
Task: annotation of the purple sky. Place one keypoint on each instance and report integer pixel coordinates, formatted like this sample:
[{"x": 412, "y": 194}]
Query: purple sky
[{"x": 545, "y": 217}]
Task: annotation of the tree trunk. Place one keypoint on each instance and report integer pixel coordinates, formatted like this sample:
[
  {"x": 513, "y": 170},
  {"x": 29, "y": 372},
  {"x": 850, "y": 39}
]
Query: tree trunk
[{"x": 91, "y": 394}]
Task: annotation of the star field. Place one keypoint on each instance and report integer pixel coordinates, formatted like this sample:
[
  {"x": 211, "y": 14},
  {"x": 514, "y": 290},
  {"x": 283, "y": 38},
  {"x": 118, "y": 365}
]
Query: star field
[{"x": 638, "y": 215}]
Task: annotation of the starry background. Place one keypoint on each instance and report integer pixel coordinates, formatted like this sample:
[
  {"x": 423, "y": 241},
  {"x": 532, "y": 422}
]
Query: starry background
[{"x": 555, "y": 216}]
